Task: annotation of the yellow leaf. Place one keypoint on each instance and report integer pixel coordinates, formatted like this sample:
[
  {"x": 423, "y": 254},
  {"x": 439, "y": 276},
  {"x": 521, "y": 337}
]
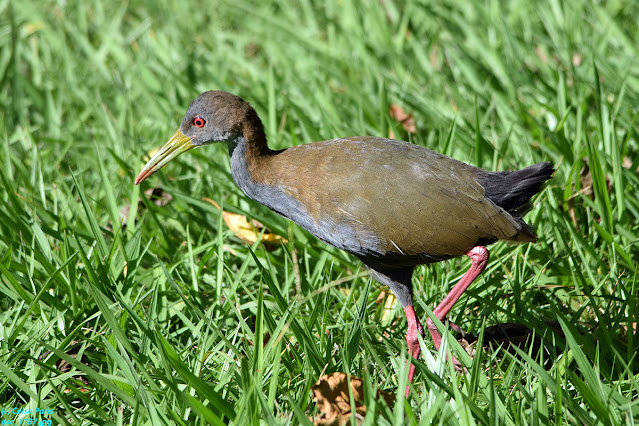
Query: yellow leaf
[{"x": 249, "y": 232}]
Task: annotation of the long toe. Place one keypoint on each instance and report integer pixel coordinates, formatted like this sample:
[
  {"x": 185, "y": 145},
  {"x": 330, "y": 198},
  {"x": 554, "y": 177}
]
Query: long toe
[{"x": 434, "y": 333}]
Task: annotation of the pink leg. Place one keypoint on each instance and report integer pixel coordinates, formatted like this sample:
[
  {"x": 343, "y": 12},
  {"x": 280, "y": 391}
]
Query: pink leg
[
  {"x": 414, "y": 328},
  {"x": 479, "y": 257}
]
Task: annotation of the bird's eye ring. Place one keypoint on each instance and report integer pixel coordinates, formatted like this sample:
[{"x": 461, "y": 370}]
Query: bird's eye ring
[{"x": 199, "y": 122}]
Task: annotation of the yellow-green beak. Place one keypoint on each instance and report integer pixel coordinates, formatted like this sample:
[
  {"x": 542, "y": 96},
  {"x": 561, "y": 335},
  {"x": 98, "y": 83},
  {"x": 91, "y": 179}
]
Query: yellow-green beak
[{"x": 178, "y": 144}]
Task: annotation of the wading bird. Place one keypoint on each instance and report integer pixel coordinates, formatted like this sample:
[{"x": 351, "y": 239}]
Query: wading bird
[{"x": 392, "y": 204}]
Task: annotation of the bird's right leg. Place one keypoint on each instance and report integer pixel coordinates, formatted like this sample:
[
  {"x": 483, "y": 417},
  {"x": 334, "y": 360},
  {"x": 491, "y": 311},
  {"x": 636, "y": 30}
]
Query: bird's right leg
[{"x": 399, "y": 281}]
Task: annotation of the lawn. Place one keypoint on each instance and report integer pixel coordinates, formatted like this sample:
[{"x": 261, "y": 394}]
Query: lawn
[{"x": 124, "y": 304}]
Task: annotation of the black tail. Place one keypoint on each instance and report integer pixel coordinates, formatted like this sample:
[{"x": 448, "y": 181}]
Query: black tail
[{"x": 512, "y": 191}]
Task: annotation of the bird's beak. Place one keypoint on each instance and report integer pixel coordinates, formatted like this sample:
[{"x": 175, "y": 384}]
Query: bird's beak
[{"x": 178, "y": 144}]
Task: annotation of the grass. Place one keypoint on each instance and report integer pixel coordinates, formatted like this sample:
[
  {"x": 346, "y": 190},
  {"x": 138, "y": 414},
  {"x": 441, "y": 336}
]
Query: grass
[{"x": 115, "y": 310}]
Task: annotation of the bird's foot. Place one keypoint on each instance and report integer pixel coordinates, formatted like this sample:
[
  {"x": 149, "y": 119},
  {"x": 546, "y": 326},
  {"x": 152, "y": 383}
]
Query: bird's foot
[{"x": 437, "y": 339}]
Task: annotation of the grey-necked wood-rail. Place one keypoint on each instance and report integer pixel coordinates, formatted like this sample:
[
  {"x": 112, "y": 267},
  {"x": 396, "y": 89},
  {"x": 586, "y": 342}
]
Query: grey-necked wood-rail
[{"x": 392, "y": 204}]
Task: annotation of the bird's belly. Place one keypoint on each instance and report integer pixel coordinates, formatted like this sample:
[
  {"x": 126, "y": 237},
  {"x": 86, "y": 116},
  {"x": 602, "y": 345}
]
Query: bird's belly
[{"x": 365, "y": 240}]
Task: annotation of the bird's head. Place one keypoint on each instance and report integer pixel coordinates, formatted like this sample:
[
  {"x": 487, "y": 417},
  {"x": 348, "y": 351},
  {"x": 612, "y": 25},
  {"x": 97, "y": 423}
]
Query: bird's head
[{"x": 215, "y": 116}]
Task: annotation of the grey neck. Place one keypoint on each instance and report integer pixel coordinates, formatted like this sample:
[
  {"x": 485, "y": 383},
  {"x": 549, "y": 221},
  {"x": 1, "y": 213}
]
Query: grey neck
[{"x": 239, "y": 169}]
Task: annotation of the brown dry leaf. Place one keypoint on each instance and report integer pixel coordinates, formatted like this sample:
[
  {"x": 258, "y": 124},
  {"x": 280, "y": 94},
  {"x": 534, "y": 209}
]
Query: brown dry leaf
[
  {"x": 585, "y": 180},
  {"x": 406, "y": 119},
  {"x": 64, "y": 366},
  {"x": 249, "y": 232},
  {"x": 541, "y": 54},
  {"x": 251, "y": 50},
  {"x": 627, "y": 164},
  {"x": 331, "y": 395},
  {"x": 634, "y": 328},
  {"x": 159, "y": 196},
  {"x": 434, "y": 57},
  {"x": 576, "y": 59}
]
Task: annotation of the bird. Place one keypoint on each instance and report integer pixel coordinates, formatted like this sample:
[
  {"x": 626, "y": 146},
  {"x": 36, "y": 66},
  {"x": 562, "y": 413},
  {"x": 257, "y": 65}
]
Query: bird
[{"x": 392, "y": 204}]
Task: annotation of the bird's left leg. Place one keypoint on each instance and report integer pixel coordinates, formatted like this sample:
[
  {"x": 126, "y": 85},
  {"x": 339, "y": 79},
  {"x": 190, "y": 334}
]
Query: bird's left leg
[{"x": 479, "y": 257}]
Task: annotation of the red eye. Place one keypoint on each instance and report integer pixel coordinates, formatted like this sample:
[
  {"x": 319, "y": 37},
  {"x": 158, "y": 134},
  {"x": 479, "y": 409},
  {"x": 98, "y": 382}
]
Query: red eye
[{"x": 199, "y": 122}]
